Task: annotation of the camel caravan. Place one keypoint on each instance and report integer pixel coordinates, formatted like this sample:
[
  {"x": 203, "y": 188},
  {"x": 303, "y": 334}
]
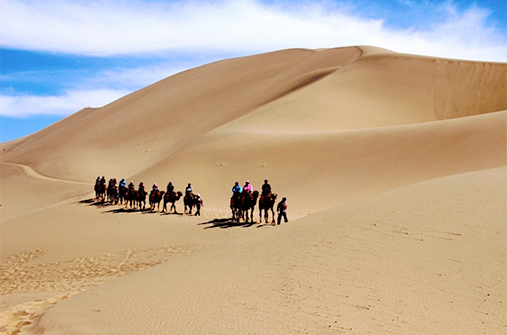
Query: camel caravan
[
  {"x": 242, "y": 202},
  {"x": 127, "y": 195}
]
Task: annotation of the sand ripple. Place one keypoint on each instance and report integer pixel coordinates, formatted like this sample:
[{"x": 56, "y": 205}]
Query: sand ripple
[{"x": 22, "y": 274}]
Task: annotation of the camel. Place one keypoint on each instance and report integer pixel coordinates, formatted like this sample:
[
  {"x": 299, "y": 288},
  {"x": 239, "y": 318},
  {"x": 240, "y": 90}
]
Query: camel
[
  {"x": 122, "y": 193},
  {"x": 236, "y": 206},
  {"x": 131, "y": 198},
  {"x": 266, "y": 203},
  {"x": 248, "y": 203},
  {"x": 155, "y": 198},
  {"x": 141, "y": 199},
  {"x": 112, "y": 194},
  {"x": 100, "y": 191},
  {"x": 189, "y": 201},
  {"x": 171, "y": 197}
]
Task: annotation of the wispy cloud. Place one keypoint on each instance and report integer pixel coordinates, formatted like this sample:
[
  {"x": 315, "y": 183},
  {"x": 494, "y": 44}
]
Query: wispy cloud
[
  {"x": 63, "y": 105},
  {"x": 71, "y": 95}
]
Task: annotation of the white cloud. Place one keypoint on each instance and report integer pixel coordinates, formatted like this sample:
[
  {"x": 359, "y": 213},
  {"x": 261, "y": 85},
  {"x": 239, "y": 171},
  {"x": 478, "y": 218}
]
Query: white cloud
[
  {"x": 66, "y": 104},
  {"x": 107, "y": 28}
]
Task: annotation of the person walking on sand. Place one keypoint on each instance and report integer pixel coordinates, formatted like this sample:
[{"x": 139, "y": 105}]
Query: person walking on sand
[
  {"x": 282, "y": 210},
  {"x": 198, "y": 204}
]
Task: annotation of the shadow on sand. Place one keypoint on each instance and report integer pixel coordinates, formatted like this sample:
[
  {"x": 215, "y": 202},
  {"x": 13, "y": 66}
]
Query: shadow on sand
[
  {"x": 229, "y": 223},
  {"x": 96, "y": 203}
]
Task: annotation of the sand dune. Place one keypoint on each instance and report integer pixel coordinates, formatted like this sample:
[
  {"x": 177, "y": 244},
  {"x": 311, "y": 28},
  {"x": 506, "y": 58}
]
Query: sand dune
[
  {"x": 393, "y": 166},
  {"x": 413, "y": 260}
]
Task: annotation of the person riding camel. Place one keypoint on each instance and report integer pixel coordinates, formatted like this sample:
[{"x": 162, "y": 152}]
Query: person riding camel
[
  {"x": 189, "y": 190},
  {"x": 248, "y": 188},
  {"x": 170, "y": 187},
  {"x": 131, "y": 186},
  {"x": 266, "y": 188},
  {"x": 123, "y": 183},
  {"x": 155, "y": 188},
  {"x": 141, "y": 187},
  {"x": 236, "y": 189}
]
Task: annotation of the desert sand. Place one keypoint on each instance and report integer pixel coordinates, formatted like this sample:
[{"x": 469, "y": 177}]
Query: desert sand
[{"x": 395, "y": 171}]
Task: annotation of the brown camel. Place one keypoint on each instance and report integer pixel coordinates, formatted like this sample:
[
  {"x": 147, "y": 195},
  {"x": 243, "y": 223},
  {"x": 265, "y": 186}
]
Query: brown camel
[
  {"x": 131, "y": 198},
  {"x": 155, "y": 198},
  {"x": 122, "y": 193},
  {"x": 190, "y": 201},
  {"x": 248, "y": 202},
  {"x": 141, "y": 199},
  {"x": 236, "y": 205},
  {"x": 266, "y": 203},
  {"x": 171, "y": 197},
  {"x": 100, "y": 191}
]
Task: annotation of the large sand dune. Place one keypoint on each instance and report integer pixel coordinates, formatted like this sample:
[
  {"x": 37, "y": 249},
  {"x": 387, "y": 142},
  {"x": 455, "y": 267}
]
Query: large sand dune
[{"x": 393, "y": 164}]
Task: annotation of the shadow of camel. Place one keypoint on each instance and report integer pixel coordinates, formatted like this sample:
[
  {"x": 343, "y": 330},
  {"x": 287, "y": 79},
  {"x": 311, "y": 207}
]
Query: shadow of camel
[
  {"x": 96, "y": 203},
  {"x": 229, "y": 223}
]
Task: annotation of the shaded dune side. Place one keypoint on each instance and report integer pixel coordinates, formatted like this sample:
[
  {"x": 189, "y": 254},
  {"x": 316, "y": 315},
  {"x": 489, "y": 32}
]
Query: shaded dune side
[
  {"x": 131, "y": 133},
  {"x": 469, "y": 88},
  {"x": 428, "y": 258},
  {"x": 321, "y": 169}
]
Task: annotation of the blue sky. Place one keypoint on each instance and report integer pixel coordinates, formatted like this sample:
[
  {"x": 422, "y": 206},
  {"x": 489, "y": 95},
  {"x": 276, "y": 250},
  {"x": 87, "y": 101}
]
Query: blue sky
[{"x": 59, "y": 56}]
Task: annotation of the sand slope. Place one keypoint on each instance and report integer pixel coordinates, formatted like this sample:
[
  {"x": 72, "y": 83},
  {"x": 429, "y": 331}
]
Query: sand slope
[
  {"x": 428, "y": 258},
  {"x": 342, "y": 133}
]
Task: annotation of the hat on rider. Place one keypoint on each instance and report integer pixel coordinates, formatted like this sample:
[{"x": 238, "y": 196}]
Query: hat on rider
[{"x": 155, "y": 184}]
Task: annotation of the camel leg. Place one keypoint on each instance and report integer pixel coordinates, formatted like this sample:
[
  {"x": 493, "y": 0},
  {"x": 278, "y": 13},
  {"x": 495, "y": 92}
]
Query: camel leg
[{"x": 273, "y": 215}]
